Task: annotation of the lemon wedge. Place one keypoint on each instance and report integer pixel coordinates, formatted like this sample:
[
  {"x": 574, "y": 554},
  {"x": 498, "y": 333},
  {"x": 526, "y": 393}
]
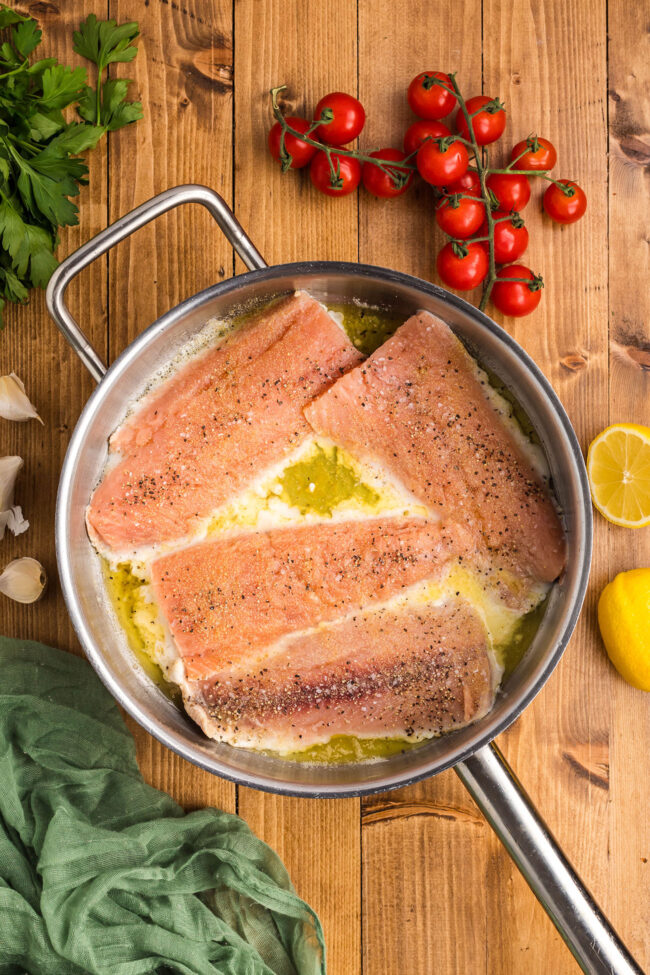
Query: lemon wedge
[
  {"x": 624, "y": 621},
  {"x": 618, "y": 464}
]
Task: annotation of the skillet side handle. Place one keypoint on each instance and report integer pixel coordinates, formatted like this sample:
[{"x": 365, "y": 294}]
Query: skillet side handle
[
  {"x": 511, "y": 814},
  {"x": 124, "y": 227}
]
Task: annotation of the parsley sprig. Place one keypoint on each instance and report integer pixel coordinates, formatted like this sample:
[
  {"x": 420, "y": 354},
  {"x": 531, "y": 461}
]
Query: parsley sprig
[{"x": 40, "y": 146}]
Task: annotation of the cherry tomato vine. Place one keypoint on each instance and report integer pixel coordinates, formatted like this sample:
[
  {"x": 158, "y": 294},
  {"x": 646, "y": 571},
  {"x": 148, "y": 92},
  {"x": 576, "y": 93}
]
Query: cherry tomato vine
[{"x": 477, "y": 204}]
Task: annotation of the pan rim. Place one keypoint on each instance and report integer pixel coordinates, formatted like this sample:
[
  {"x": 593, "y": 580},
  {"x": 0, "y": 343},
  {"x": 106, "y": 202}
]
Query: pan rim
[{"x": 174, "y": 740}]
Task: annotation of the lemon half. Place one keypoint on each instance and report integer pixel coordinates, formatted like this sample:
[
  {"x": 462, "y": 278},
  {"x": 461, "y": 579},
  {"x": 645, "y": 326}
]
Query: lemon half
[
  {"x": 618, "y": 464},
  {"x": 624, "y": 621}
]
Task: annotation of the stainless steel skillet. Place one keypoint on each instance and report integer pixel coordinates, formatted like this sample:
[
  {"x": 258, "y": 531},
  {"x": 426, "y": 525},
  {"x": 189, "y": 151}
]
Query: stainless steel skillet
[{"x": 479, "y": 763}]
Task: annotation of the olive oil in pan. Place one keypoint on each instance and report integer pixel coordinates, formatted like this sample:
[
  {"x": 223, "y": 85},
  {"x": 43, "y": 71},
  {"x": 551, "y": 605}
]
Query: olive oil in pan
[{"x": 321, "y": 482}]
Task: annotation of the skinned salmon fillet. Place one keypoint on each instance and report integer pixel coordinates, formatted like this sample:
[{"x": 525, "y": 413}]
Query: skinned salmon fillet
[
  {"x": 417, "y": 406},
  {"x": 225, "y": 600},
  {"x": 411, "y": 672},
  {"x": 211, "y": 430}
]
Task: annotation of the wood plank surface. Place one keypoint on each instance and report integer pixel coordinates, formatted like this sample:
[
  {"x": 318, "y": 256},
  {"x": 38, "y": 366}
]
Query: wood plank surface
[
  {"x": 548, "y": 62},
  {"x": 313, "y": 51},
  {"x": 183, "y": 75},
  {"x": 433, "y": 828},
  {"x": 410, "y": 882},
  {"x": 629, "y": 400}
]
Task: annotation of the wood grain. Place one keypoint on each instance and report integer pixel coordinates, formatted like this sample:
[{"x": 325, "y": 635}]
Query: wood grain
[
  {"x": 183, "y": 75},
  {"x": 55, "y": 380},
  {"x": 629, "y": 342},
  {"x": 313, "y": 49},
  {"x": 439, "y": 893},
  {"x": 548, "y": 62},
  {"x": 431, "y": 852}
]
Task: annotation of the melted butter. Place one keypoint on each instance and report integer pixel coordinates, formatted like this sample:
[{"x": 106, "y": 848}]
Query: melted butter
[
  {"x": 344, "y": 749},
  {"x": 138, "y": 618},
  {"x": 368, "y": 328},
  {"x": 322, "y": 481}
]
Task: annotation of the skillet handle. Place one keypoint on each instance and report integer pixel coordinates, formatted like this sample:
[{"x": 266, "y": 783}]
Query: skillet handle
[
  {"x": 510, "y": 812},
  {"x": 124, "y": 227}
]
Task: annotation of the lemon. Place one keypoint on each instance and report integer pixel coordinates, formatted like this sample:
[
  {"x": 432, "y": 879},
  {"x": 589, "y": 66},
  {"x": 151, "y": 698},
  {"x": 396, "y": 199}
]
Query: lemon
[
  {"x": 624, "y": 620},
  {"x": 618, "y": 464}
]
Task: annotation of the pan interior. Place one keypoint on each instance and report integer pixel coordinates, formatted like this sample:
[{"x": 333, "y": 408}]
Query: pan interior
[{"x": 105, "y": 643}]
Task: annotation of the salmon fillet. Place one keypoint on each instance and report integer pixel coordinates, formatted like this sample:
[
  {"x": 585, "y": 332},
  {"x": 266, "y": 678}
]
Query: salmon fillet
[
  {"x": 212, "y": 430},
  {"x": 238, "y": 348},
  {"x": 411, "y": 672},
  {"x": 417, "y": 406},
  {"x": 227, "y": 599}
]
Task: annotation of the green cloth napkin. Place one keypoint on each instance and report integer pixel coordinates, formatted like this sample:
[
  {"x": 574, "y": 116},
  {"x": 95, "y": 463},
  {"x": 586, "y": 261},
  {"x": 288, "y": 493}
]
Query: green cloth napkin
[{"x": 99, "y": 872}]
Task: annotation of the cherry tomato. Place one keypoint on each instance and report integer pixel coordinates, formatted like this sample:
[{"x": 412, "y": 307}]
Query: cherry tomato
[
  {"x": 516, "y": 298},
  {"x": 440, "y": 168},
  {"x": 469, "y": 183},
  {"x": 488, "y": 126},
  {"x": 462, "y": 220},
  {"x": 421, "y": 130},
  {"x": 512, "y": 191},
  {"x": 563, "y": 208},
  {"x": 301, "y": 153},
  {"x": 344, "y": 180},
  {"x": 348, "y": 118},
  {"x": 539, "y": 159},
  {"x": 429, "y": 100},
  {"x": 379, "y": 182},
  {"x": 462, "y": 273},
  {"x": 510, "y": 240}
]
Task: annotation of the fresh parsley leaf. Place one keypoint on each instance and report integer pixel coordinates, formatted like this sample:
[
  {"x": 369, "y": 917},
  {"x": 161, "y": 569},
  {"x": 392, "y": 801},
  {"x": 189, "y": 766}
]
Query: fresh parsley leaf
[
  {"x": 62, "y": 86},
  {"x": 114, "y": 110},
  {"x": 9, "y": 16},
  {"x": 41, "y": 169},
  {"x": 103, "y": 42},
  {"x": 26, "y": 37}
]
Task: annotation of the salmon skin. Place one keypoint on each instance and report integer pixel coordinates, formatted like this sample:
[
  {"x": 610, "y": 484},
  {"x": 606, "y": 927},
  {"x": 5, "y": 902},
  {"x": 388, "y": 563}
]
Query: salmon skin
[
  {"x": 418, "y": 406},
  {"x": 215, "y": 427},
  {"x": 227, "y": 599},
  {"x": 411, "y": 672}
]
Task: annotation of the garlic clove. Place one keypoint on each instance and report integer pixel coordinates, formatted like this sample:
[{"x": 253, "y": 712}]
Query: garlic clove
[
  {"x": 14, "y": 402},
  {"x": 23, "y": 580},
  {"x": 11, "y": 516},
  {"x": 13, "y": 519}
]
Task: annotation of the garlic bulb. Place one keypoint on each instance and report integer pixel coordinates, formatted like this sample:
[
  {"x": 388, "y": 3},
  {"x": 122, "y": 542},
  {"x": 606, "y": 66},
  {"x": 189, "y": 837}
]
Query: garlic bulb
[
  {"x": 14, "y": 402},
  {"x": 23, "y": 580},
  {"x": 11, "y": 516}
]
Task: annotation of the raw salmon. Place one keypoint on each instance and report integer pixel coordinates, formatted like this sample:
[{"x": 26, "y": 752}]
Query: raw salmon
[
  {"x": 418, "y": 406},
  {"x": 225, "y": 600},
  {"x": 412, "y": 672},
  {"x": 238, "y": 348},
  {"x": 217, "y": 426}
]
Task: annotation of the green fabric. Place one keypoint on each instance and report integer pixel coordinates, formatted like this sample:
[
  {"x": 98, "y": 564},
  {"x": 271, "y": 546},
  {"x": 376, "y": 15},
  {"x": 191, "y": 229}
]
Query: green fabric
[{"x": 99, "y": 872}]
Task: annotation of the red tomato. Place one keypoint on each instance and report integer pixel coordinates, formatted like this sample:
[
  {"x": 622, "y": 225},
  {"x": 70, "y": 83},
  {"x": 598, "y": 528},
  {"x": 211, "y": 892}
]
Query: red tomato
[
  {"x": 488, "y": 126},
  {"x": 421, "y": 130},
  {"x": 462, "y": 273},
  {"x": 301, "y": 153},
  {"x": 440, "y": 168},
  {"x": 562, "y": 207},
  {"x": 460, "y": 221},
  {"x": 512, "y": 191},
  {"x": 510, "y": 241},
  {"x": 542, "y": 158},
  {"x": 516, "y": 298},
  {"x": 344, "y": 180},
  {"x": 347, "y": 119},
  {"x": 429, "y": 100},
  {"x": 379, "y": 182},
  {"x": 469, "y": 183}
]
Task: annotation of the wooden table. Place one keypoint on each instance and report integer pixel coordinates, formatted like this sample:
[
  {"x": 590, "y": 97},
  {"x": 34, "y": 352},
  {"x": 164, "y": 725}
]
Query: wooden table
[{"x": 411, "y": 882}]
